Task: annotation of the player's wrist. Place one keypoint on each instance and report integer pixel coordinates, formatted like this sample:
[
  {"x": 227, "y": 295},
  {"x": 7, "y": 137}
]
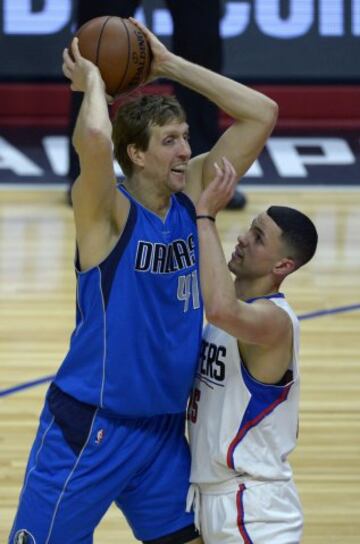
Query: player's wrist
[
  {"x": 206, "y": 217},
  {"x": 93, "y": 79},
  {"x": 173, "y": 67},
  {"x": 201, "y": 209}
]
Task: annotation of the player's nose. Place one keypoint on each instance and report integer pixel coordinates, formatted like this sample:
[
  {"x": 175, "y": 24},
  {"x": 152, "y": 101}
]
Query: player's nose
[
  {"x": 242, "y": 240},
  {"x": 184, "y": 149}
]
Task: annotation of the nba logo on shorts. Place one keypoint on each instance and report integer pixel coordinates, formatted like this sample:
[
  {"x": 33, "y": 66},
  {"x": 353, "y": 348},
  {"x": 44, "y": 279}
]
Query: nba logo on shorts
[
  {"x": 99, "y": 437},
  {"x": 23, "y": 537}
]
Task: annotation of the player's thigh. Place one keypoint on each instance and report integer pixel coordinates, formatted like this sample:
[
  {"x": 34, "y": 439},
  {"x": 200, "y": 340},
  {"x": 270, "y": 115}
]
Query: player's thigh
[
  {"x": 218, "y": 519},
  {"x": 64, "y": 496},
  {"x": 154, "y": 502},
  {"x": 260, "y": 513},
  {"x": 271, "y": 512}
]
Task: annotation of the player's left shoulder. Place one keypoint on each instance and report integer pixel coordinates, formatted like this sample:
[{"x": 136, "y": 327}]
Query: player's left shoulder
[{"x": 273, "y": 316}]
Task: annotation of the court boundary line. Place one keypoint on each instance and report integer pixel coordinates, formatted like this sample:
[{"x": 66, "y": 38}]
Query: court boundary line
[
  {"x": 25, "y": 385},
  {"x": 309, "y": 315},
  {"x": 331, "y": 311}
]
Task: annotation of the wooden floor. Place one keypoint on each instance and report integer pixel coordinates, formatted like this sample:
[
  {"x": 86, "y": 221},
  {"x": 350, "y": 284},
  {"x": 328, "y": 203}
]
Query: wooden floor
[{"x": 37, "y": 315}]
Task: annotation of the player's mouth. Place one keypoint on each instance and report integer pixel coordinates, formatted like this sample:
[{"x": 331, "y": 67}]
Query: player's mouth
[
  {"x": 179, "y": 169},
  {"x": 237, "y": 253}
]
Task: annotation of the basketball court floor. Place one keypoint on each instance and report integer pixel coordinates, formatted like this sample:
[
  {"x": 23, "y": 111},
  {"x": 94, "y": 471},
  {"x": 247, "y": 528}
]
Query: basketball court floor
[{"x": 37, "y": 315}]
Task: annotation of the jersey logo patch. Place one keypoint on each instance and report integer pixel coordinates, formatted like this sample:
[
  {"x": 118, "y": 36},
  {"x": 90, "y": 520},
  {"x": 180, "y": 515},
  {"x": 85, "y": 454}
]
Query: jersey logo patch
[{"x": 99, "y": 437}]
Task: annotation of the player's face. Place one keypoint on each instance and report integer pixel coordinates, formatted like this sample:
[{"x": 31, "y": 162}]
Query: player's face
[
  {"x": 167, "y": 156},
  {"x": 258, "y": 250}
]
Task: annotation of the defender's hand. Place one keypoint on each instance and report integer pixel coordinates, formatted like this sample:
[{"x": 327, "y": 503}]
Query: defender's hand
[{"x": 219, "y": 191}]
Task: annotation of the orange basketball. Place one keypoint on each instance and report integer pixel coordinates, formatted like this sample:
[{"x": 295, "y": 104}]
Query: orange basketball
[{"x": 119, "y": 49}]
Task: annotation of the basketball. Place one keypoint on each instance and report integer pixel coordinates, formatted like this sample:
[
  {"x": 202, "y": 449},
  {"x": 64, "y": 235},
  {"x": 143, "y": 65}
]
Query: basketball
[{"x": 120, "y": 51}]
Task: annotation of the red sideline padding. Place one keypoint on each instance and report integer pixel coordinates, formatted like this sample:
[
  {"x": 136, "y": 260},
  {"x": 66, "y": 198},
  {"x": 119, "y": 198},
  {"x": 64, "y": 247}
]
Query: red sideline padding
[{"x": 301, "y": 107}]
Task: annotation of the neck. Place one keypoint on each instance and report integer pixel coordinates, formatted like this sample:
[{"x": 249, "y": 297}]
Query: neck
[
  {"x": 251, "y": 289},
  {"x": 148, "y": 195}
]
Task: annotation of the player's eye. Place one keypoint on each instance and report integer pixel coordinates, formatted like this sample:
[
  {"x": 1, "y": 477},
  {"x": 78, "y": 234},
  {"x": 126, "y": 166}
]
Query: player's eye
[{"x": 257, "y": 235}]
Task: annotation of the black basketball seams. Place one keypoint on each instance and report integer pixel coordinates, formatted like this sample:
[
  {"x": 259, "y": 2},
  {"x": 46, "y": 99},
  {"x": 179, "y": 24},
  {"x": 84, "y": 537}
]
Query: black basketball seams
[
  {"x": 99, "y": 40},
  {"x": 128, "y": 57}
]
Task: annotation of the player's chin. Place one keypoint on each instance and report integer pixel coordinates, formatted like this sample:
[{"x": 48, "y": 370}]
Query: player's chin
[
  {"x": 177, "y": 182},
  {"x": 233, "y": 265}
]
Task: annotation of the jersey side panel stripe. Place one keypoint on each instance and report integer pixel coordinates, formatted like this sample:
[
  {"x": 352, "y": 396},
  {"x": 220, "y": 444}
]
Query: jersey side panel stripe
[
  {"x": 250, "y": 420},
  {"x": 241, "y": 515}
]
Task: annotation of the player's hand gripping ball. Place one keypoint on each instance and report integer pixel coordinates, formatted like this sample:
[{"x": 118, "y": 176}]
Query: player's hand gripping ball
[{"x": 120, "y": 51}]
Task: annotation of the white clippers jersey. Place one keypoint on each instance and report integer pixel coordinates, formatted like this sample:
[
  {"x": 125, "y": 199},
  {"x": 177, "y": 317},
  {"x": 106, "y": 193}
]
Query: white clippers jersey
[{"x": 238, "y": 425}]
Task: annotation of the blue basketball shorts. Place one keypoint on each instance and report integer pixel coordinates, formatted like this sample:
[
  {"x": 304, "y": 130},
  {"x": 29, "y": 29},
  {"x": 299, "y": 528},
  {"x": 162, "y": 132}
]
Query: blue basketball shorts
[{"x": 83, "y": 460}]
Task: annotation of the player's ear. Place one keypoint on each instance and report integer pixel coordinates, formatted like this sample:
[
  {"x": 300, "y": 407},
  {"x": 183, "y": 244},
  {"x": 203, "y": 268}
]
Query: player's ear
[
  {"x": 284, "y": 267},
  {"x": 135, "y": 154}
]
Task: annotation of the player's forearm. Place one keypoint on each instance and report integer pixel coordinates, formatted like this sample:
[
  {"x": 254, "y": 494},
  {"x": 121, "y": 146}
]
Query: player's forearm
[
  {"x": 237, "y": 100},
  {"x": 93, "y": 126},
  {"x": 216, "y": 284},
  {"x": 222, "y": 308}
]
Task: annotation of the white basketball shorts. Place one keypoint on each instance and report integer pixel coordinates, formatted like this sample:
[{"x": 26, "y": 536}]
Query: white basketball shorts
[{"x": 249, "y": 513}]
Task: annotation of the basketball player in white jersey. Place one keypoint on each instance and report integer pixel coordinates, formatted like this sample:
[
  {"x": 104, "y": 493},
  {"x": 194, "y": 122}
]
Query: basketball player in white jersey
[{"x": 243, "y": 412}]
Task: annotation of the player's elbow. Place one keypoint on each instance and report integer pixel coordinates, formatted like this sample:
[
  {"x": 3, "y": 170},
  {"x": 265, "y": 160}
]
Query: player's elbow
[
  {"x": 214, "y": 318},
  {"x": 270, "y": 112},
  {"x": 93, "y": 140},
  {"x": 217, "y": 313}
]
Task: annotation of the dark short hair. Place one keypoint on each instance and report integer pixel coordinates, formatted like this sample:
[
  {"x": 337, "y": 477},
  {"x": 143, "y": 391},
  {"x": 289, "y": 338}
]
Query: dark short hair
[
  {"x": 298, "y": 232},
  {"x": 133, "y": 120}
]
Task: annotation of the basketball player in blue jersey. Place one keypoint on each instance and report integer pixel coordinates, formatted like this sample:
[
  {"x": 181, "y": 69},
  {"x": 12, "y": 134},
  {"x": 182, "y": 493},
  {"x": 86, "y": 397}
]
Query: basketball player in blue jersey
[
  {"x": 243, "y": 411},
  {"x": 112, "y": 428}
]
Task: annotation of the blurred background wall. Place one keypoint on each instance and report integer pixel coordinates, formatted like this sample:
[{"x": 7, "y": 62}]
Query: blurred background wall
[{"x": 302, "y": 53}]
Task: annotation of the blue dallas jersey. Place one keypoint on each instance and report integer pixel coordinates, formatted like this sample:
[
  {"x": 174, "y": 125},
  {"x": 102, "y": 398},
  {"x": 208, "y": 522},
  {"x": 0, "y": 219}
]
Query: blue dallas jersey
[{"x": 135, "y": 347}]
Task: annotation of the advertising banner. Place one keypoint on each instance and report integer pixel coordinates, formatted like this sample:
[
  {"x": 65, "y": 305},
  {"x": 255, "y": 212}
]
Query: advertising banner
[{"x": 264, "y": 40}]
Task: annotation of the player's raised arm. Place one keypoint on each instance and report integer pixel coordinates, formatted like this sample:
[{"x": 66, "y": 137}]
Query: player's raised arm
[
  {"x": 95, "y": 199},
  {"x": 254, "y": 117},
  {"x": 253, "y": 324},
  {"x": 254, "y": 114}
]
